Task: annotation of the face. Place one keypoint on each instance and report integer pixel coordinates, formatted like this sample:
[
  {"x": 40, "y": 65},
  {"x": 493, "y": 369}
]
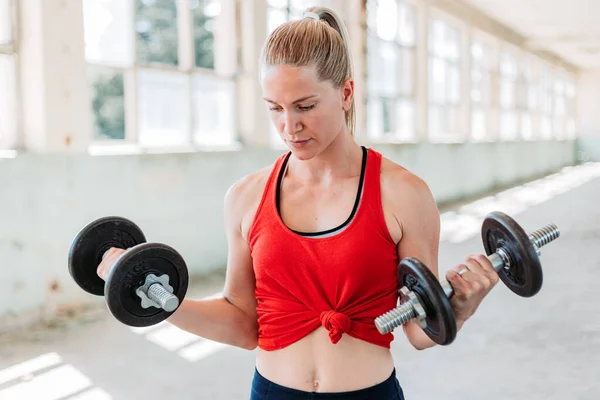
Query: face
[{"x": 308, "y": 114}]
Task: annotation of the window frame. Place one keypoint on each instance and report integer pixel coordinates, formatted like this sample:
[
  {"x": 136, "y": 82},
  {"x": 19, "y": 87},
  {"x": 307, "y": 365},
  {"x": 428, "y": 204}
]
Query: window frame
[
  {"x": 187, "y": 67},
  {"x": 11, "y": 50},
  {"x": 462, "y": 28},
  {"x": 371, "y": 36}
]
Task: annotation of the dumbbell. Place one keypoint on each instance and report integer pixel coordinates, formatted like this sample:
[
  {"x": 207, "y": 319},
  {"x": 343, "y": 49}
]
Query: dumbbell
[
  {"x": 147, "y": 283},
  {"x": 513, "y": 253}
]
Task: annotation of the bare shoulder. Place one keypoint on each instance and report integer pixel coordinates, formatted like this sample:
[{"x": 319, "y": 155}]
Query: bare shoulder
[
  {"x": 243, "y": 197},
  {"x": 402, "y": 186},
  {"x": 408, "y": 203}
]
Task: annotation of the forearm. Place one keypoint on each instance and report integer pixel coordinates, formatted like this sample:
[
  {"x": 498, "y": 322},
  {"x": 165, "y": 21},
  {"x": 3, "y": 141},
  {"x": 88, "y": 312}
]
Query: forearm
[
  {"x": 218, "y": 320},
  {"x": 418, "y": 338}
]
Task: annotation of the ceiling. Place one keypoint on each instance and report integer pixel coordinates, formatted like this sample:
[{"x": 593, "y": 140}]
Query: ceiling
[{"x": 568, "y": 28}]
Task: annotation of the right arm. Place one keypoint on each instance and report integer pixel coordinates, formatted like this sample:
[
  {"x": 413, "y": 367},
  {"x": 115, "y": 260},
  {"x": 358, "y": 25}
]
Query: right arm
[{"x": 231, "y": 318}]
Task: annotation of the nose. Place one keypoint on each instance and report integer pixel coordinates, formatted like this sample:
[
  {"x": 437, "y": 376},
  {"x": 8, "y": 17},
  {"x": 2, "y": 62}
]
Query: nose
[{"x": 291, "y": 123}]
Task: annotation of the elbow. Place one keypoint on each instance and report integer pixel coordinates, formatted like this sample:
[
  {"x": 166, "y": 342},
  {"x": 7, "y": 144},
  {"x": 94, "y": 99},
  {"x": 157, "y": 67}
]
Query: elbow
[{"x": 249, "y": 338}]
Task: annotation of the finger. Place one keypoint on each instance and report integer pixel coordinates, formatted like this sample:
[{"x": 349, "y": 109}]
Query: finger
[
  {"x": 474, "y": 265},
  {"x": 484, "y": 261},
  {"x": 486, "y": 267},
  {"x": 458, "y": 283}
]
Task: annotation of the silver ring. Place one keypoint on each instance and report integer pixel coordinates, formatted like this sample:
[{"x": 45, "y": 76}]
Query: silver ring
[{"x": 461, "y": 273}]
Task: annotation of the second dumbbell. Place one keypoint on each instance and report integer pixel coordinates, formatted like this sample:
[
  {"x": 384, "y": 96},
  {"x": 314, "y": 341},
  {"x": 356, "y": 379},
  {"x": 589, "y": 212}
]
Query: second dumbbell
[{"x": 147, "y": 283}]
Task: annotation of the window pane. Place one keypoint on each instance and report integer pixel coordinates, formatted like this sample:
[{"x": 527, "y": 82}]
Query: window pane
[
  {"x": 374, "y": 118},
  {"x": 508, "y": 125},
  {"x": 277, "y": 3},
  {"x": 437, "y": 79},
  {"x": 387, "y": 19},
  {"x": 164, "y": 108},
  {"x": 204, "y": 39},
  {"x": 156, "y": 31},
  {"x": 436, "y": 38},
  {"x": 478, "y": 124},
  {"x": 108, "y": 103},
  {"x": 214, "y": 111},
  {"x": 407, "y": 26},
  {"x": 526, "y": 126},
  {"x": 275, "y": 18},
  {"x": 507, "y": 94},
  {"x": 436, "y": 123},
  {"x": 302, "y": 5},
  {"x": 453, "y": 74},
  {"x": 451, "y": 43},
  {"x": 407, "y": 71},
  {"x": 405, "y": 119},
  {"x": 8, "y": 100},
  {"x": 383, "y": 67},
  {"x": 5, "y": 22},
  {"x": 108, "y": 30}
]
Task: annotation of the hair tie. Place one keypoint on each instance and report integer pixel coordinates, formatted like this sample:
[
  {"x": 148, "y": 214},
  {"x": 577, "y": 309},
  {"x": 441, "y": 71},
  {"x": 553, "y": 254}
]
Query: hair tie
[{"x": 310, "y": 14}]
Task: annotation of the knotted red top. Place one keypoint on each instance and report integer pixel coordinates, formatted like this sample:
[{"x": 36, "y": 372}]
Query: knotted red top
[{"x": 341, "y": 281}]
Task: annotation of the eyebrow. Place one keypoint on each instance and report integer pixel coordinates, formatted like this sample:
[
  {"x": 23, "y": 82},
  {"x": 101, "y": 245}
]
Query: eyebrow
[{"x": 297, "y": 101}]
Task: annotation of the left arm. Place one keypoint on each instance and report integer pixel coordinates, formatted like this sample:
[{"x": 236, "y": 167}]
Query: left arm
[{"x": 418, "y": 217}]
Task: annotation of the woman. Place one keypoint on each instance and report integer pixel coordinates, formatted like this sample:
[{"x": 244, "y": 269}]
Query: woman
[{"x": 315, "y": 239}]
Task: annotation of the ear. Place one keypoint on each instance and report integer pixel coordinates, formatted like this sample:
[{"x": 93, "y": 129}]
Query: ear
[{"x": 347, "y": 94}]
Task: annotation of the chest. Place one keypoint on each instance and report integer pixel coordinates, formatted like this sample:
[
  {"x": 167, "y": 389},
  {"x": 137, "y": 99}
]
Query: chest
[{"x": 318, "y": 208}]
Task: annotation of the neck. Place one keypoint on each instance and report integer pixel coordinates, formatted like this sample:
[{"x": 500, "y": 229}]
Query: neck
[{"x": 342, "y": 158}]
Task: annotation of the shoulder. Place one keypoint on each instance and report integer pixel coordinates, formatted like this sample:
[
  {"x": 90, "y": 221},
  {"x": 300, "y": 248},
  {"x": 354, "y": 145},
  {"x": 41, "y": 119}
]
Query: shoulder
[
  {"x": 243, "y": 198},
  {"x": 407, "y": 197},
  {"x": 399, "y": 183}
]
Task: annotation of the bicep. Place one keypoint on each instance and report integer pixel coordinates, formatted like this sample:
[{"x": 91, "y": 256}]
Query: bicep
[
  {"x": 239, "y": 278},
  {"x": 421, "y": 229}
]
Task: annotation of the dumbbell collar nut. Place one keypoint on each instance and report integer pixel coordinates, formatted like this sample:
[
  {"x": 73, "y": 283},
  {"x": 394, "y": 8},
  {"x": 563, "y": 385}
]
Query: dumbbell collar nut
[
  {"x": 152, "y": 279},
  {"x": 408, "y": 296}
]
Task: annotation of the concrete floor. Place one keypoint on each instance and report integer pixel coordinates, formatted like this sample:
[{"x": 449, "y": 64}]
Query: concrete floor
[{"x": 545, "y": 347}]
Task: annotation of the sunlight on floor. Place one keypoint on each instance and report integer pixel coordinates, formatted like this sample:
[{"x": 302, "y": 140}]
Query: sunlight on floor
[
  {"x": 465, "y": 222},
  {"x": 47, "y": 377}
]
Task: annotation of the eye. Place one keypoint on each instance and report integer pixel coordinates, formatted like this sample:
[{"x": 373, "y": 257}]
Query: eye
[
  {"x": 306, "y": 108},
  {"x": 274, "y": 108}
]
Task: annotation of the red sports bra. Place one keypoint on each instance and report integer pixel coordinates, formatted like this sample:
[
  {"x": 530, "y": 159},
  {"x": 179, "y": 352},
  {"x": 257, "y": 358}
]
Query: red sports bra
[{"x": 340, "y": 279}]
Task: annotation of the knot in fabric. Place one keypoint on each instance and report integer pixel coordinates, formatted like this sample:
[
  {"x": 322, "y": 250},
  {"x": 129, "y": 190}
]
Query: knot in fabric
[{"x": 336, "y": 323}]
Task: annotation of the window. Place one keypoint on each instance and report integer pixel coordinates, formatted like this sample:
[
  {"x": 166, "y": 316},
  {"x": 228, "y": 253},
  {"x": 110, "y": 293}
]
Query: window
[
  {"x": 8, "y": 77},
  {"x": 444, "y": 81},
  {"x": 564, "y": 110},
  {"x": 483, "y": 63},
  {"x": 509, "y": 116},
  {"x": 528, "y": 98},
  {"x": 570, "y": 104},
  {"x": 280, "y": 11},
  {"x": 392, "y": 26},
  {"x": 546, "y": 89},
  {"x": 161, "y": 71}
]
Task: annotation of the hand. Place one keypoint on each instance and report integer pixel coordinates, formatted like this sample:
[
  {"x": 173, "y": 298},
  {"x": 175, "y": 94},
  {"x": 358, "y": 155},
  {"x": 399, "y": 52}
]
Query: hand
[
  {"x": 108, "y": 262},
  {"x": 472, "y": 286}
]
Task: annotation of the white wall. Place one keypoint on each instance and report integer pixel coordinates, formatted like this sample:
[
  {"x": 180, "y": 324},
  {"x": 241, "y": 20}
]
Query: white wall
[
  {"x": 178, "y": 199},
  {"x": 588, "y": 110}
]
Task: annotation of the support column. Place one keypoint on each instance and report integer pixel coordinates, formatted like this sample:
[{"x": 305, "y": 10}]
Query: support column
[
  {"x": 254, "y": 123},
  {"x": 56, "y": 111},
  {"x": 355, "y": 15}
]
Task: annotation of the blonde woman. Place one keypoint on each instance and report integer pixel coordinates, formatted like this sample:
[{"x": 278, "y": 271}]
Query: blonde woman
[{"x": 315, "y": 238}]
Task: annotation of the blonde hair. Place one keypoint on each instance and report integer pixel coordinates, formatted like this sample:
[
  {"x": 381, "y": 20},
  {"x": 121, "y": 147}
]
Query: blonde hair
[{"x": 322, "y": 43}]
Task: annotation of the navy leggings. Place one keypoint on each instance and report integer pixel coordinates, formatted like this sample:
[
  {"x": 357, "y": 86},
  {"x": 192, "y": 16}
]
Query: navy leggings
[{"x": 264, "y": 389}]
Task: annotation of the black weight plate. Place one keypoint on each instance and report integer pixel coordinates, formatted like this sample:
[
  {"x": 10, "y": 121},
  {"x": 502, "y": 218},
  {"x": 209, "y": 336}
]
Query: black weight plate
[
  {"x": 92, "y": 242},
  {"x": 525, "y": 276},
  {"x": 441, "y": 320},
  {"x": 129, "y": 273}
]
